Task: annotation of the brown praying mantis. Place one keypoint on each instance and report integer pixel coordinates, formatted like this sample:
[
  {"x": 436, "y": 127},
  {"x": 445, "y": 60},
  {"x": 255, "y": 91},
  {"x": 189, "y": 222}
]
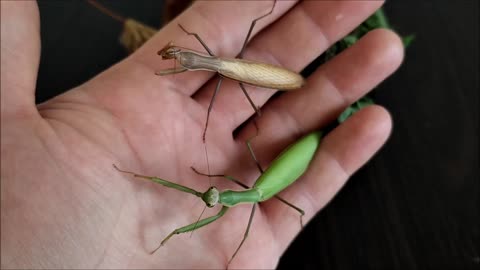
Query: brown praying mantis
[{"x": 238, "y": 69}]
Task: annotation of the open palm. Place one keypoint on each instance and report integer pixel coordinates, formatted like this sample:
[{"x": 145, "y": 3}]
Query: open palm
[{"x": 63, "y": 205}]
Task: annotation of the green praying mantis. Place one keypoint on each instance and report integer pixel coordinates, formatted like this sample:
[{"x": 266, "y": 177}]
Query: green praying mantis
[{"x": 288, "y": 167}]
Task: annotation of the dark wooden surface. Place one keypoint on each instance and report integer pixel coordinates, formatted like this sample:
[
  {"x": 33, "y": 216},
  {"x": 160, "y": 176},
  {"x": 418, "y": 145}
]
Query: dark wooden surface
[{"x": 415, "y": 205}]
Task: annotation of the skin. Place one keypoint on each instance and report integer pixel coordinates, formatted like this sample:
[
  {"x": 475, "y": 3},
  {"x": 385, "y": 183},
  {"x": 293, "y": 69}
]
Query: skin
[{"x": 64, "y": 206}]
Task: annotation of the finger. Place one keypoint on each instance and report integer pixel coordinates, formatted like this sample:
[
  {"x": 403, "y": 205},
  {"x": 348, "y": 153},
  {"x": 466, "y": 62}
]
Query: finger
[
  {"x": 341, "y": 153},
  {"x": 329, "y": 90},
  {"x": 20, "y": 46},
  {"x": 220, "y": 26},
  {"x": 292, "y": 42}
]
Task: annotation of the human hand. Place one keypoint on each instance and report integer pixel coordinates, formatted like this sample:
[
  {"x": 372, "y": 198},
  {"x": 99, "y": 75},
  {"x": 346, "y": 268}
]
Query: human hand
[{"x": 64, "y": 206}]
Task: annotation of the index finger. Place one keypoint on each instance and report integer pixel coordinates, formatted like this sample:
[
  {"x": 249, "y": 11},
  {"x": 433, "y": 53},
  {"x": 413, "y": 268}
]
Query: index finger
[{"x": 220, "y": 25}]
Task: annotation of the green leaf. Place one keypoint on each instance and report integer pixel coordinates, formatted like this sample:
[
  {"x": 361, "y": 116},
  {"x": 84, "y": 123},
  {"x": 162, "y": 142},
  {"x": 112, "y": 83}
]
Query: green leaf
[
  {"x": 345, "y": 114},
  {"x": 378, "y": 20},
  {"x": 407, "y": 40},
  {"x": 375, "y": 21},
  {"x": 355, "y": 107},
  {"x": 331, "y": 52},
  {"x": 350, "y": 40}
]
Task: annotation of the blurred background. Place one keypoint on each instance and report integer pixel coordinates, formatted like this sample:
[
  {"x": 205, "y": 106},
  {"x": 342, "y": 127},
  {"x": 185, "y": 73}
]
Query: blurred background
[{"x": 416, "y": 203}]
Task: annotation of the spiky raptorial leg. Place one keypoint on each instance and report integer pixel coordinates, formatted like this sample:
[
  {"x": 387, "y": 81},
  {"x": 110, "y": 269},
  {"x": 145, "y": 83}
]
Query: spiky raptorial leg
[{"x": 193, "y": 226}]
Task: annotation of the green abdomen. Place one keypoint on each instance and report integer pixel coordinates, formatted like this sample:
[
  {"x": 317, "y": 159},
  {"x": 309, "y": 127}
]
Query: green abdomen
[{"x": 288, "y": 166}]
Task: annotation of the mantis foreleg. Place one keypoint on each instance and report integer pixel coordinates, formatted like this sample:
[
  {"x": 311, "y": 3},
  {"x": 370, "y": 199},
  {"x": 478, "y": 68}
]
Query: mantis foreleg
[
  {"x": 170, "y": 71},
  {"x": 193, "y": 226}
]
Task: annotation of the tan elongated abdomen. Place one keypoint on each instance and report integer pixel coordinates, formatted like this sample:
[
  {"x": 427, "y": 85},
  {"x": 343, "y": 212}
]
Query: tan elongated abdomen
[{"x": 260, "y": 74}]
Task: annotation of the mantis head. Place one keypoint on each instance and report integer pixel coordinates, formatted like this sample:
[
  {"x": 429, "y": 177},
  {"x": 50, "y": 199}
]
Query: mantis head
[
  {"x": 169, "y": 51},
  {"x": 211, "y": 197}
]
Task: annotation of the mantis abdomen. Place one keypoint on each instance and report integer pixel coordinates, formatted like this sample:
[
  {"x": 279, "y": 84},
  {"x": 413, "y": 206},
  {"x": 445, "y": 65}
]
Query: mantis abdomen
[
  {"x": 260, "y": 74},
  {"x": 282, "y": 172},
  {"x": 246, "y": 71},
  {"x": 288, "y": 166}
]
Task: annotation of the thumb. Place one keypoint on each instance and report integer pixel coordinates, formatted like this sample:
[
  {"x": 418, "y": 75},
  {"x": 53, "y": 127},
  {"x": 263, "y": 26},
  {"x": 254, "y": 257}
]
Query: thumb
[{"x": 20, "y": 50}]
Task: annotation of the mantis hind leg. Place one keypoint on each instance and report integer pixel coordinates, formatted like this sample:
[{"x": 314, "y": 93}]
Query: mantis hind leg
[
  {"x": 255, "y": 107},
  {"x": 193, "y": 226},
  {"x": 240, "y": 55},
  {"x": 245, "y": 235},
  {"x": 250, "y": 149},
  {"x": 252, "y": 153}
]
